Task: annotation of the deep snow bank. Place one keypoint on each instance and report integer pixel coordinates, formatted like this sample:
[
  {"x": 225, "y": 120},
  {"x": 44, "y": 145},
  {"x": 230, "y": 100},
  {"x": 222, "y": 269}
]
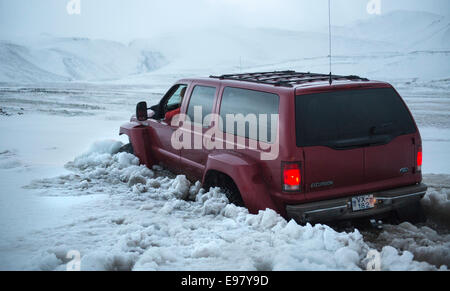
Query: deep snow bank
[
  {"x": 151, "y": 221},
  {"x": 437, "y": 206},
  {"x": 422, "y": 241}
]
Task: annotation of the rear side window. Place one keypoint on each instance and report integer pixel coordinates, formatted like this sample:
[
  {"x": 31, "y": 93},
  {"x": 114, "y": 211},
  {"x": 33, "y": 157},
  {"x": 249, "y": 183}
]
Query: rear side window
[
  {"x": 203, "y": 97},
  {"x": 326, "y": 119},
  {"x": 250, "y": 103}
]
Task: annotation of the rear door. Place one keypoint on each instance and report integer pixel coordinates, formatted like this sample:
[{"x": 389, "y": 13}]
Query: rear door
[
  {"x": 318, "y": 122},
  {"x": 389, "y": 116},
  {"x": 199, "y": 108},
  {"x": 351, "y": 138}
]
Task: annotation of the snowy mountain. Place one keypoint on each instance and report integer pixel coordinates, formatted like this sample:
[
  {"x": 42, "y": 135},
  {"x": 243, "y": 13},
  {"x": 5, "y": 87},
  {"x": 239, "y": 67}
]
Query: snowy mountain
[
  {"x": 63, "y": 59},
  {"x": 408, "y": 30},
  {"x": 249, "y": 47},
  {"x": 17, "y": 67},
  {"x": 410, "y": 44}
]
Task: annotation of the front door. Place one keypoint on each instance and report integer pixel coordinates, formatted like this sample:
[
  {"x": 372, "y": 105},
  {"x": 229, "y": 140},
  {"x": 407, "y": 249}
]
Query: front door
[{"x": 161, "y": 142}]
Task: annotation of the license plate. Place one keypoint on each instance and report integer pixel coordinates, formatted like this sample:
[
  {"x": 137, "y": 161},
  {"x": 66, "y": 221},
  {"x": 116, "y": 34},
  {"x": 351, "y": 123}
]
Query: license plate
[{"x": 363, "y": 202}]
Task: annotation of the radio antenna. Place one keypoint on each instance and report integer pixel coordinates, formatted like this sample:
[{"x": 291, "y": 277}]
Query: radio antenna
[{"x": 329, "y": 33}]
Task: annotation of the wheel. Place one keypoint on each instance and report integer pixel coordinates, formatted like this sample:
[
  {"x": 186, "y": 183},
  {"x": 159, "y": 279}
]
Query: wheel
[
  {"x": 412, "y": 213},
  {"x": 231, "y": 191},
  {"x": 128, "y": 148},
  {"x": 228, "y": 187}
]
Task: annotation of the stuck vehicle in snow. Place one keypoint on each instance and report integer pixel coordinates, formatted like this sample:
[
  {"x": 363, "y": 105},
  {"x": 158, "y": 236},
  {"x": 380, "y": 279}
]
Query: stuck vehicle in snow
[{"x": 313, "y": 147}]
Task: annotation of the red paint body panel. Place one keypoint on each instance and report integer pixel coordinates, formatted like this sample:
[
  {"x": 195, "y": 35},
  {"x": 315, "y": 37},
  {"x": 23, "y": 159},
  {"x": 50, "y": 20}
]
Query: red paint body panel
[{"x": 355, "y": 171}]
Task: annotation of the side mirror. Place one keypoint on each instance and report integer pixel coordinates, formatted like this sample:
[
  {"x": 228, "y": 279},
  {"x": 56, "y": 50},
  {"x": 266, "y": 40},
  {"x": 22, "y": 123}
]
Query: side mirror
[{"x": 141, "y": 111}]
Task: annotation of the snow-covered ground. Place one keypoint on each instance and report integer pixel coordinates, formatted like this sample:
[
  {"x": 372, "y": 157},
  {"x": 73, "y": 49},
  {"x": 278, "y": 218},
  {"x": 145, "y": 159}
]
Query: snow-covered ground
[{"x": 64, "y": 187}]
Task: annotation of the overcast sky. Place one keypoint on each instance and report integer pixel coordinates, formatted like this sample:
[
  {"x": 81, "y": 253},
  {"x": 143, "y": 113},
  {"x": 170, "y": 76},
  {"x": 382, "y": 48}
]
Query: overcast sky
[{"x": 125, "y": 20}]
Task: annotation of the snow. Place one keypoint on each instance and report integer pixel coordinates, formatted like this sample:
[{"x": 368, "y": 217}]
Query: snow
[
  {"x": 62, "y": 191},
  {"x": 52, "y": 59},
  {"x": 437, "y": 205},
  {"x": 161, "y": 223},
  {"x": 436, "y": 144},
  {"x": 392, "y": 261},
  {"x": 424, "y": 243},
  {"x": 8, "y": 160},
  {"x": 419, "y": 30}
]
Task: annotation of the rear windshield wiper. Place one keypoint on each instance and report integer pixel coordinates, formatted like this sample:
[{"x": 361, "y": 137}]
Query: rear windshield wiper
[{"x": 360, "y": 142}]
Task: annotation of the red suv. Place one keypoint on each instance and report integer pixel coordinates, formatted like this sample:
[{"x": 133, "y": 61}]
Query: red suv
[{"x": 313, "y": 147}]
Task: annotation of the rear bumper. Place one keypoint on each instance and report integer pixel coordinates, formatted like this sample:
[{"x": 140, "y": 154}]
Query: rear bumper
[{"x": 341, "y": 209}]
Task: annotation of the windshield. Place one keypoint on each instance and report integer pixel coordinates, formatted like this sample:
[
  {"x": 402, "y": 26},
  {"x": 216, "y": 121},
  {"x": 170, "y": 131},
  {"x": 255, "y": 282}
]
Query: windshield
[{"x": 351, "y": 118}]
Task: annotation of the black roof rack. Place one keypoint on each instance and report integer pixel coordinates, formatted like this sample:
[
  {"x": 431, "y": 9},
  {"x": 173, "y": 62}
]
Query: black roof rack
[{"x": 285, "y": 78}]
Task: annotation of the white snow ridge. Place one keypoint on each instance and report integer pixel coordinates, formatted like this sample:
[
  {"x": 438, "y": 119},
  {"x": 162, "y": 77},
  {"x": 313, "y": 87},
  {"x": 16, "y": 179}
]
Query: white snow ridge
[{"x": 149, "y": 220}]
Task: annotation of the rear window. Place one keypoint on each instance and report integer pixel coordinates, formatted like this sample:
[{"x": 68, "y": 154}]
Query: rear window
[
  {"x": 250, "y": 103},
  {"x": 351, "y": 117}
]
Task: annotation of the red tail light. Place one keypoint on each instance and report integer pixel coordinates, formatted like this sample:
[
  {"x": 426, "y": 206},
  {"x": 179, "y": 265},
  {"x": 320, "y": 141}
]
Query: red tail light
[
  {"x": 419, "y": 160},
  {"x": 291, "y": 177}
]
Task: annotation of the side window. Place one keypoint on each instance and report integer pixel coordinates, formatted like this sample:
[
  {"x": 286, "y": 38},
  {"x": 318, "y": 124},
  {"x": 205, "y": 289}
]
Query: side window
[
  {"x": 252, "y": 105},
  {"x": 203, "y": 98},
  {"x": 177, "y": 98}
]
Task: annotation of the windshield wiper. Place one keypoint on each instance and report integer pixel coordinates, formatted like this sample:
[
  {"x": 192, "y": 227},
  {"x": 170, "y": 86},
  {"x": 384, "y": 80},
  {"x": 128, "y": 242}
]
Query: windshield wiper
[{"x": 360, "y": 142}]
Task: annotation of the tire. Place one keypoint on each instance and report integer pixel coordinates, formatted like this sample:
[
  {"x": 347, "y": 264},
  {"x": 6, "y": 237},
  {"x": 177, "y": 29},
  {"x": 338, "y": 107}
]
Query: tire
[
  {"x": 228, "y": 187},
  {"x": 128, "y": 148},
  {"x": 412, "y": 213}
]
